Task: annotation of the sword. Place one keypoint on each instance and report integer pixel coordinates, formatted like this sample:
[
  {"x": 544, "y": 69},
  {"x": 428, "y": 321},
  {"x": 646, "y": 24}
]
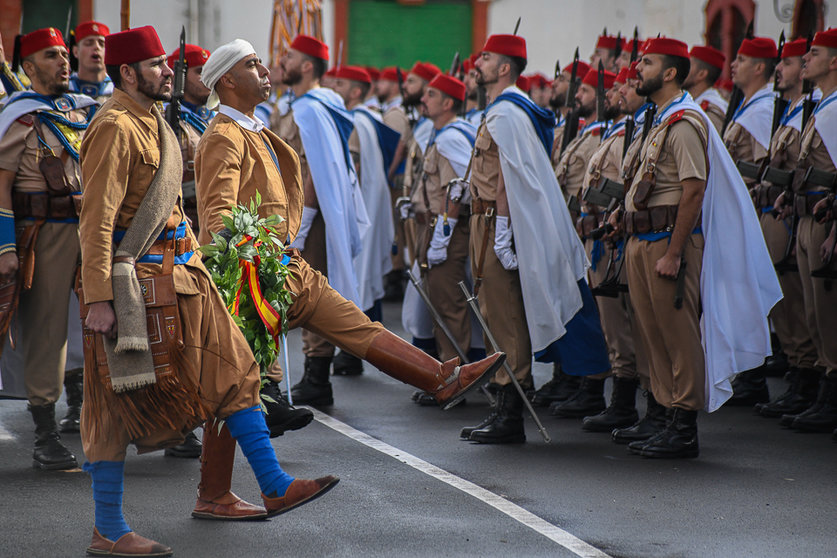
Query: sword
[
  {"x": 443, "y": 326},
  {"x": 287, "y": 369},
  {"x": 472, "y": 302}
]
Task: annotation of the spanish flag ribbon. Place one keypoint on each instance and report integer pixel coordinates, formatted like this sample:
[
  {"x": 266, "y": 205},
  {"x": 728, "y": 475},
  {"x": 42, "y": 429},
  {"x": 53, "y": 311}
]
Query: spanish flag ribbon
[{"x": 250, "y": 276}]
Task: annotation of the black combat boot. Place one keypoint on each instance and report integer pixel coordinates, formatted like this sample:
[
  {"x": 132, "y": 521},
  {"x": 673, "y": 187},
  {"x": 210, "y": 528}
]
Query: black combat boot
[
  {"x": 49, "y": 452},
  {"x": 588, "y": 400},
  {"x": 465, "y": 433},
  {"x": 347, "y": 365},
  {"x": 749, "y": 387},
  {"x": 191, "y": 448},
  {"x": 799, "y": 396},
  {"x": 394, "y": 286},
  {"x": 74, "y": 388},
  {"x": 622, "y": 409},
  {"x": 315, "y": 388},
  {"x": 653, "y": 422},
  {"x": 679, "y": 439},
  {"x": 281, "y": 416},
  {"x": 507, "y": 426},
  {"x": 560, "y": 388},
  {"x": 824, "y": 419}
]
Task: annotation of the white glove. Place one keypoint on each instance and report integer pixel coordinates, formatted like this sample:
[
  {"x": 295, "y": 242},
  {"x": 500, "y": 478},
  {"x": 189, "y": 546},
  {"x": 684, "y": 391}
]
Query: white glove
[
  {"x": 308, "y": 214},
  {"x": 502, "y": 243},
  {"x": 405, "y": 210},
  {"x": 457, "y": 188},
  {"x": 437, "y": 252}
]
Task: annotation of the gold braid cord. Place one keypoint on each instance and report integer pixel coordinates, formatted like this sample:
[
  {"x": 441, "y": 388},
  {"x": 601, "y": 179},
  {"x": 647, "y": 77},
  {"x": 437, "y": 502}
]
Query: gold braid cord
[{"x": 290, "y": 18}]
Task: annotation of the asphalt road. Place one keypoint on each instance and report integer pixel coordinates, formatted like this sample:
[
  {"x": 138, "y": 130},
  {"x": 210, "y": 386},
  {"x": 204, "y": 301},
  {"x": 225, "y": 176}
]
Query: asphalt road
[{"x": 409, "y": 487}]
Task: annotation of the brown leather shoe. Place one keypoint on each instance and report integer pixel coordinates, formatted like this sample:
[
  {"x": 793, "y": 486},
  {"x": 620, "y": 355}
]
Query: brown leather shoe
[
  {"x": 215, "y": 500},
  {"x": 447, "y": 382},
  {"x": 228, "y": 507},
  {"x": 129, "y": 544},
  {"x": 300, "y": 491}
]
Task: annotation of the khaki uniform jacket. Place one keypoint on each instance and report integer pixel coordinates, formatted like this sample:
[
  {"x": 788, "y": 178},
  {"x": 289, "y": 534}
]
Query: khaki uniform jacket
[
  {"x": 232, "y": 164},
  {"x": 120, "y": 154},
  {"x": 572, "y": 168}
]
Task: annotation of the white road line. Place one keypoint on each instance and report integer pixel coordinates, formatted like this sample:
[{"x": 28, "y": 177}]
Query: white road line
[
  {"x": 548, "y": 530},
  {"x": 5, "y": 435}
]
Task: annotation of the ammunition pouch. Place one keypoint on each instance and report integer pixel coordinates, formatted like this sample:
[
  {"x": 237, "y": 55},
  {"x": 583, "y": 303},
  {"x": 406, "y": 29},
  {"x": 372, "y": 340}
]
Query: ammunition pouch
[
  {"x": 46, "y": 206},
  {"x": 661, "y": 218},
  {"x": 644, "y": 189}
]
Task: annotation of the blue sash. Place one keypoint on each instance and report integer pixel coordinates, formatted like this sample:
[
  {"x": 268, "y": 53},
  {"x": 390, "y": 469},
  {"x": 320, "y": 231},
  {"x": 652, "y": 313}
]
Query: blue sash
[{"x": 542, "y": 120}]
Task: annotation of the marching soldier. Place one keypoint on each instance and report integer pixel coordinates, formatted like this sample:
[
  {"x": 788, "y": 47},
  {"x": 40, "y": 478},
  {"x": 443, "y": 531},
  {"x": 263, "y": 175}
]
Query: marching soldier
[
  {"x": 441, "y": 215},
  {"x": 748, "y": 139},
  {"x": 237, "y": 158},
  {"x": 532, "y": 294},
  {"x": 788, "y": 316},
  {"x": 40, "y": 135},
  {"x": 11, "y": 80},
  {"x": 706, "y": 64},
  {"x": 815, "y": 179},
  {"x": 88, "y": 61},
  {"x": 604, "y": 170},
  {"x": 129, "y": 155},
  {"x": 665, "y": 258}
]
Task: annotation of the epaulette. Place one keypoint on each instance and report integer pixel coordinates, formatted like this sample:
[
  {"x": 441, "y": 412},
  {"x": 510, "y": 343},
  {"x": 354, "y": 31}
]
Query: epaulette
[
  {"x": 704, "y": 104},
  {"x": 596, "y": 132},
  {"x": 675, "y": 117},
  {"x": 27, "y": 120}
]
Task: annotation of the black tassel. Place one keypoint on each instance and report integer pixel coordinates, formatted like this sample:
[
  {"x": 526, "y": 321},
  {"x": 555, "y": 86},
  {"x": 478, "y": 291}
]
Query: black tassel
[{"x": 16, "y": 54}]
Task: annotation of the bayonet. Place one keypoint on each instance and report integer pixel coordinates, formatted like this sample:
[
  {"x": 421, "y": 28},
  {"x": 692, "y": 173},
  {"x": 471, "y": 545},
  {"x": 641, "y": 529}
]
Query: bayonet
[
  {"x": 454, "y": 64},
  {"x": 600, "y": 98},
  {"x": 516, "y": 26},
  {"x": 178, "y": 85},
  {"x": 69, "y": 21},
  {"x": 635, "y": 46}
]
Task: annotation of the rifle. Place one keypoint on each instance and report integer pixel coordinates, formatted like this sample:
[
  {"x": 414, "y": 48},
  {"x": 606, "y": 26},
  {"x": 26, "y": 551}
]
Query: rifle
[
  {"x": 635, "y": 46},
  {"x": 600, "y": 98},
  {"x": 571, "y": 125},
  {"x": 780, "y": 105},
  {"x": 173, "y": 110},
  {"x": 737, "y": 96},
  {"x": 617, "y": 52},
  {"x": 648, "y": 123},
  {"x": 630, "y": 127},
  {"x": 454, "y": 64},
  {"x": 809, "y": 104},
  {"x": 516, "y": 26}
]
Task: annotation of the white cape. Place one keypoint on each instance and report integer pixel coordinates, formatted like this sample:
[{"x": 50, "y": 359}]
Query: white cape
[
  {"x": 738, "y": 283},
  {"x": 757, "y": 117},
  {"x": 825, "y": 122},
  {"x": 713, "y": 97},
  {"x": 374, "y": 260},
  {"x": 12, "y": 110},
  {"x": 335, "y": 182},
  {"x": 551, "y": 257},
  {"x": 422, "y": 132},
  {"x": 454, "y": 146}
]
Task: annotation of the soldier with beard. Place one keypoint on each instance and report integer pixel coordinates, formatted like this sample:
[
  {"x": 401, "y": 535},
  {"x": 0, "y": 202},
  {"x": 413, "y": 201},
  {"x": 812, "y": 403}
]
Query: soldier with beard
[
  {"x": 473, "y": 112},
  {"x": 42, "y": 130},
  {"x": 560, "y": 105},
  {"x": 706, "y": 64},
  {"x": 606, "y": 51}
]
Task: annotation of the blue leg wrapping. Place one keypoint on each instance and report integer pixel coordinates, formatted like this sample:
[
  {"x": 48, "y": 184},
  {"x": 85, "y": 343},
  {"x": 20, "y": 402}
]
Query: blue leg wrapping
[
  {"x": 250, "y": 431},
  {"x": 108, "y": 486}
]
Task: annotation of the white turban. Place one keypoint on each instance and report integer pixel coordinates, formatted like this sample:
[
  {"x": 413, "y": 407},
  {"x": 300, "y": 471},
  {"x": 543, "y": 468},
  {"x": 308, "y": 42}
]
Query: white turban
[{"x": 220, "y": 62}]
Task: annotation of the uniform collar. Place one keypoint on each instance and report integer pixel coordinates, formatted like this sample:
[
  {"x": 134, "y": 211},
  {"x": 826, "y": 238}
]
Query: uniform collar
[
  {"x": 143, "y": 115},
  {"x": 241, "y": 119}
]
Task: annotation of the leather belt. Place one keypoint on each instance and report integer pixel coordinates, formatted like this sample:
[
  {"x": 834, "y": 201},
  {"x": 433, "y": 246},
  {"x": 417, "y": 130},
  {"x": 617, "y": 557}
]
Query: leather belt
[
  {"x": 45, "y": 206},
  {"x": 660, "y": 218},
  {"x": 587, "y": 224},
  {"x": 422, "y": 217},
  {"x": 765, "y": 196},
  {"x": 803, "y": 205},
  {"x": 181, "y": 246},
  {"x": 482, "y": 207}
]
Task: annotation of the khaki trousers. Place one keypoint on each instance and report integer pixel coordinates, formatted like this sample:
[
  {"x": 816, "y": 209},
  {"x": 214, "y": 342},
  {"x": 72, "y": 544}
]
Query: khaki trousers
[
  {"x": 670, "y": 337},
  {"x": 400, "y": 245},
  {"x": 788, "y": 316},
  {"x": 443, "y": 289},
  {"x": 615, "y": 315},
  {"x": 42, "y": 313},
  {"x": 819, "y": 294},
  {"x": 315, "y": 254},
  {"x": 501, "y": 304}
]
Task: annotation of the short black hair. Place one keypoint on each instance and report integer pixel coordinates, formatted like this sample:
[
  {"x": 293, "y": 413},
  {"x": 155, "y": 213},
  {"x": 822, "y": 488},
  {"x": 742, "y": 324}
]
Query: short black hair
[
  {"x": 116, "y": 76},
  {"x": 679, "y": 63},
  {"x": 364, "y": 88},
  {"x": 769, "y": 66},
  {"x": 457, "y": 105},
  {"x": 518, "y": 65},
  {"x": 319, "y": 65},
  {"x": 713, "y": 73}
]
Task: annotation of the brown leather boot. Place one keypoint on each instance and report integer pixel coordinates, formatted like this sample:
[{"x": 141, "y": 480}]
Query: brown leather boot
[
  {"x": 129, "y": 544},
  {"x": 448, "y": 382},
  {"x": 215, "y": 499}
]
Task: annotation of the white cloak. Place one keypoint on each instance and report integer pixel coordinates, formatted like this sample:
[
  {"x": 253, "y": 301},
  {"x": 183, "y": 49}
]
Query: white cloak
[{"x": 756, "y": 116}]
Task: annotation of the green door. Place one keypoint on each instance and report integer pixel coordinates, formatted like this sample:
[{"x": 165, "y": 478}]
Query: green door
[
  {"x": 386, "y": 33},
  {"x": 38, "y": 14}
]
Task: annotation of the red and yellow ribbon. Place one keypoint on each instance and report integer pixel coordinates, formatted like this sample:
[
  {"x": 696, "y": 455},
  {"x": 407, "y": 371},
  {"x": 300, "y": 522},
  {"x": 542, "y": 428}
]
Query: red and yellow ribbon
[{"x": 250, "y": 276}]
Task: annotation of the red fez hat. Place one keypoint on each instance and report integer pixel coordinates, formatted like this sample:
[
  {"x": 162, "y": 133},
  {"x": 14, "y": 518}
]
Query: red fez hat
[
  {"x": 449, "y": 86},
  {"x": 467, "y": 65},
  {"x": 607, "y": 41},
  {"x": 592, "y": 79},
  {"x": 89, "y": 28},
  {"x": 583, "y": 68},
  {"x": 622, "y": 76},
  {"x": 473, "y": 59},
  {"x": 507, "y": 45},
  {"x": 353, "y": 73},
  {"x": 666, "y": 46},
  {"x": 311, "y": 46},
  {"x": 39, "y": 40},
  {"x": 725, "y": 84},
  {"x": 795, "y": 48},
  {"x": 708, "y": 54},
  {"x": 390, "y": 74},
  {"x": 374, "y": 73},
  {"x": 759, "y": 47},
  {"x": 538, "y": 80},
  {"x": 195, "y": 56},
  {"x": 331, "y": 72},
  {"x": 826, "y": 38},
  {"x": 425, "y": 70},
  {"x": 133, "y": 45},
  {"x": 632, "y": 73},
  {"x": 523, "y": 83}
]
